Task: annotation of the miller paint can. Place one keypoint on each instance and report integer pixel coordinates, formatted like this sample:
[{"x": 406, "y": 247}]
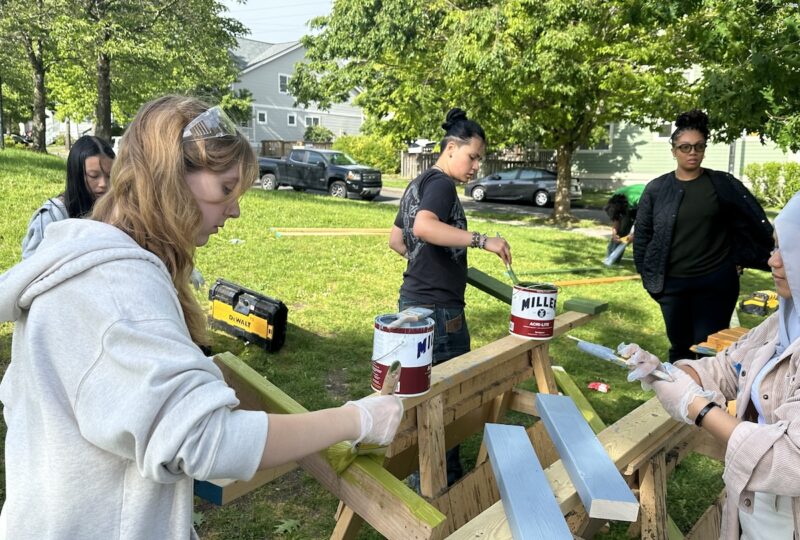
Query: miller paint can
[{"x": 533, "y": 310}]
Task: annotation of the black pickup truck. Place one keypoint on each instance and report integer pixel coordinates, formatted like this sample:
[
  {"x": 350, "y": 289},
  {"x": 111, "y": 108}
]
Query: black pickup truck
[{"x": 335, "y": 172}]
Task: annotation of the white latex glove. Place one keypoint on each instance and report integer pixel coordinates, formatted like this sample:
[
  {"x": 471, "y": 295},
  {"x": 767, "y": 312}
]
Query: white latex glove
[
  {"x": 380, "y": 418},
  {"x": 676, "y": 396},
  {"x": 197, "y": 278},
  {"x": 640, "y": 362}
]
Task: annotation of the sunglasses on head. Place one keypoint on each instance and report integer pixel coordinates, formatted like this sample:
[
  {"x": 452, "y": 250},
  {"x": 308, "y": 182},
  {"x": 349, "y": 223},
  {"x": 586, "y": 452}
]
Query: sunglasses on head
[
  {"x": 686, "y": 148},
  {"x": 210, "y": 124}
]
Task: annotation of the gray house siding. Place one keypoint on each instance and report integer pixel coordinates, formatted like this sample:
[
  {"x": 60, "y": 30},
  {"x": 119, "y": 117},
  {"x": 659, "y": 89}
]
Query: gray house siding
[
  {"x": 639, "y": 155},
  {"x": 273, "y": 110}
]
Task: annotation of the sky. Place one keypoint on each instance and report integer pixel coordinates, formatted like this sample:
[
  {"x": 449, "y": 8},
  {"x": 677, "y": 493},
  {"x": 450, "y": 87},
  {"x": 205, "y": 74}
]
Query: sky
[{"x": 277, "y": 21}]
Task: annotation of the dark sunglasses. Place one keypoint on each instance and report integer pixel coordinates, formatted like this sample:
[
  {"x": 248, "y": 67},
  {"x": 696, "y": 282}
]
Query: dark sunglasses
[{"x": 686, "y": 148}]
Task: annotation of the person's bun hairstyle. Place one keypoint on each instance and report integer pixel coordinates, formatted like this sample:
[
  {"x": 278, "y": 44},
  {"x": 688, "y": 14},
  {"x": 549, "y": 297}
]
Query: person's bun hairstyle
[
  {"x": 454, "y": 116},
  {"x": 695, "y": 119}
]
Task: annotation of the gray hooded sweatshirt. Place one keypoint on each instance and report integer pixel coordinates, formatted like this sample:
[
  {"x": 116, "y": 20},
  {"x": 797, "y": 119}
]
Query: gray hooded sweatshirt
[{"x": 111, "y": 409}]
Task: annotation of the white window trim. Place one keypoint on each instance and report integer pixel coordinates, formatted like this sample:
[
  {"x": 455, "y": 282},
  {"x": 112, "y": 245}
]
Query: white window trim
[
  {"x": 600, "y": 150},
  {"x": 291, "y": 119},
  {"x": 657, "y": 136},
  {"x": 266, "y": 117},
  {"x": 311, "y": 117},
  {"x": 288, "y": 78}
]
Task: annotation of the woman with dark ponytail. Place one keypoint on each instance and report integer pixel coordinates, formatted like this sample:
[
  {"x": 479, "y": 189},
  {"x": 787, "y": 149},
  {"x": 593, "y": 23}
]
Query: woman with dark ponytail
[
  {"x": 88, "y": 175},
  {"x": 696, "y": 228},
  {"x": 430, "y": 230}
]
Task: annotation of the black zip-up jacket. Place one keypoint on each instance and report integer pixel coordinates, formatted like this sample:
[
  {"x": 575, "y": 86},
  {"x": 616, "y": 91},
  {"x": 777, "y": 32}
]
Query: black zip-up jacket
[{"x": 750, "y": 231}]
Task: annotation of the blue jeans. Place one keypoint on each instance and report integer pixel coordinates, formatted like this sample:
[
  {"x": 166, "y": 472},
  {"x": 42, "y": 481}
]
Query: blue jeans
[
  {"x": 450, "y": 339},
  {"x": 450, "y": 333}
]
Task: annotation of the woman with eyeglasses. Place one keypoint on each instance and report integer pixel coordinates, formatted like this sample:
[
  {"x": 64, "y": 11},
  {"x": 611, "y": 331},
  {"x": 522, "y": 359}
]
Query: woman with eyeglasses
[
  {"x": 761, "y": 372},
  {"x": 112, "y": 408},
  {"x": 88, "y": 172},
  {"x": 695, "y": 229}
]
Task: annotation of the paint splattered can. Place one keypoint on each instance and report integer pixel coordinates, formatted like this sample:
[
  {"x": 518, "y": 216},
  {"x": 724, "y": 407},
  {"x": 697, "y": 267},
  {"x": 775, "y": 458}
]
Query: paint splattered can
[
  {"x": 412, "y": 344},
  {"x": 533, "y": 310}
]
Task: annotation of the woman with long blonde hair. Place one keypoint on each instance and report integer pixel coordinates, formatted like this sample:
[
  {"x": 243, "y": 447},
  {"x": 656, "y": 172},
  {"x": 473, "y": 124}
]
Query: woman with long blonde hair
[{"x": 112, "y": 408}]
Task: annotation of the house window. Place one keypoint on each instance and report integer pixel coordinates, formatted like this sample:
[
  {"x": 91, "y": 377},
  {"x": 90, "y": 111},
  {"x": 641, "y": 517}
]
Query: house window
[
  {"x": 312, "y": 121},
  {"x": 283, "y": 83},
  {"x": 664, "y": 131},
  {"x": 291, "y": 119},
  {"x": 262, "y": 117},
  {"x": 244, "y": 123},
  {"x": 604, "y": 144}
]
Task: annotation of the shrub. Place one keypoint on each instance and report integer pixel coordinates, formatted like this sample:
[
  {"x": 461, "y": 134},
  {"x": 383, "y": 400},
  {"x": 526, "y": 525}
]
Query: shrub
[
  {"x": 59, "y": 140},
  {"x": 377, "y": 152},
  {"x": 8, "y": 142},
  {"x": 318, "y": 134},
  {"x": 774, "y": 183}
]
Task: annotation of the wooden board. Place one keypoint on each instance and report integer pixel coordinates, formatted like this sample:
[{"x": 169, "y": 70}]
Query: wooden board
[
  {"x": 585, "y": 305},
  {"x": 623, "y": 440},
  {"x": 603, "y": 491},
  {"x": 596, "y": 281},
  {"x": 365, "y": 486},
  {"x": 569, "y": 388},
  {"x": 489, "y": 285},
  {"x": 532, "y": 510}
]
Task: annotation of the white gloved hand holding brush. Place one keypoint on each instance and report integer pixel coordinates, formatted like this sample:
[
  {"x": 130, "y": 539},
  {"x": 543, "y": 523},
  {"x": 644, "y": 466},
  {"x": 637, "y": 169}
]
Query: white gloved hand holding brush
[
  {"x": 675, "y": 395},
  {"x": 380, "y": 418}
]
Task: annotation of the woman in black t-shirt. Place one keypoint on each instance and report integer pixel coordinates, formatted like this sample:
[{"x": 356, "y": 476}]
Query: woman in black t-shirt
[
  {"x": 694, "y": 226},
  {"x": 430, "y": 230}
]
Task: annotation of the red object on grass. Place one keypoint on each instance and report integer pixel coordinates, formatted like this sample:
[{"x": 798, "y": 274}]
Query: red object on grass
[{"x": 599, "y": 386}]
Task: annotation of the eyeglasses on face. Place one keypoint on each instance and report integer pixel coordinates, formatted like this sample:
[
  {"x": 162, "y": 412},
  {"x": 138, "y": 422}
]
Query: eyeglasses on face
[{"x": 686, "y": 148}]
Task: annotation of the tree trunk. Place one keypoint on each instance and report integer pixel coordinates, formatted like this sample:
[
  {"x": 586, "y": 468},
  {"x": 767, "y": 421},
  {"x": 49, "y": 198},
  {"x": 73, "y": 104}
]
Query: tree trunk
[
  {"x": 2, "y": 122},
  {"x": 102, "y": 113},
  {"x": 39, "y": 100},
  {"x": 561, "y": 206}
]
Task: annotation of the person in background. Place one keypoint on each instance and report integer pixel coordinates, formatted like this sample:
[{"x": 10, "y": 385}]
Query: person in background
[
  {"x": 112, "y": 409},
  {"x": 696, "y": 228},
  {"x": 761, "y": 372},
  {"x": 621, "y": 210},
  {"x": 88, "y": 177},
  {"x": 430, "y": 230}
]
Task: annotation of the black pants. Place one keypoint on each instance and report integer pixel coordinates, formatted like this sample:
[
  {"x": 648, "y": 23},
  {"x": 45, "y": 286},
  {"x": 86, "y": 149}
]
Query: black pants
[{"x": 695, "y": 307}]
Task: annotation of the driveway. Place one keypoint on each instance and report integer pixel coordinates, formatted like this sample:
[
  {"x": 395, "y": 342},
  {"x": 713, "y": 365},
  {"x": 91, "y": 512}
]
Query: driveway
[{"x": 392, "y": 196}]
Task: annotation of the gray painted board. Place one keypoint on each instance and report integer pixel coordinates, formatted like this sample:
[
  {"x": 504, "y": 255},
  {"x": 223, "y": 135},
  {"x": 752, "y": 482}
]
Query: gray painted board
[
  {"x": 599, "y": 484},
  {"x": 528, "y": 500}
]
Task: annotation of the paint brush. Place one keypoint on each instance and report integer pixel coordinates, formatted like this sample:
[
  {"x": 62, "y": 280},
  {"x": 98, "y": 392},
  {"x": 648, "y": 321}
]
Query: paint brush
[
  {"x": 342, "y": 454},
  {"x": 410, "y": 315},
  {"x": 605, "y": 353},
  {"x": 510, "y": 273}
]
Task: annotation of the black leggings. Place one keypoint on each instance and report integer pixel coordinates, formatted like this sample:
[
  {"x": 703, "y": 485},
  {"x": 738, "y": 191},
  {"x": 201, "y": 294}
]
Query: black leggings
[{"x": 695, "y": 307}]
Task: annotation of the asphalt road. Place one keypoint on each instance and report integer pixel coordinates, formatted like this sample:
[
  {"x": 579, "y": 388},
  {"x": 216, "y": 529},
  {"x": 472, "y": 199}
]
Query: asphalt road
[{"x": 392, "y": 196}]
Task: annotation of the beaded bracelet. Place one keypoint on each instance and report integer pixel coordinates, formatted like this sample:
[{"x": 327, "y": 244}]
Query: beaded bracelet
[
  {"x": 482, "y": 243},
  {"x": 476, "y": 238}
]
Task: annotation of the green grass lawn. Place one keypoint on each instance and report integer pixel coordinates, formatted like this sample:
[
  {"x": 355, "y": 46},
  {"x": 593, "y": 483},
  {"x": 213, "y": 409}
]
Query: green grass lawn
[{"x": 335, "y": 286}]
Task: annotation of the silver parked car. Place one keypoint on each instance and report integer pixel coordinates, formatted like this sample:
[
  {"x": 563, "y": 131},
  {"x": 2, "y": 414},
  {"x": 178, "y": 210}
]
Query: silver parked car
[{"x": 535, "y": 185}]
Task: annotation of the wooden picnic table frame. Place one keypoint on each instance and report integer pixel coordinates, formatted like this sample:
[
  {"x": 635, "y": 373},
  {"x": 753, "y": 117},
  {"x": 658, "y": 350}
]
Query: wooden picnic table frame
[{"x": 466, "y": 392}]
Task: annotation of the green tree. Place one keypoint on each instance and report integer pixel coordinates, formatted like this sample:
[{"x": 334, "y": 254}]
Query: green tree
[
  {"x": 31, "y": 26},
  {"x": 15, "y": 87},
  {"x": 551, "y": 73},
  {"x": 120, "y": 53},
  {"x": 750, "y": 60}
]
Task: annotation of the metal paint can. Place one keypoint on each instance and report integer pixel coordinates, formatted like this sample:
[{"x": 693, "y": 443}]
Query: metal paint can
[
  {"x": 412, "y": 344},
  {"x": 533, "y": 310}
]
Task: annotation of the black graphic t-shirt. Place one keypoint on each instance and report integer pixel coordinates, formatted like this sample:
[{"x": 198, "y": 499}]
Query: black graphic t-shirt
[{"x": 435, "y": 274}]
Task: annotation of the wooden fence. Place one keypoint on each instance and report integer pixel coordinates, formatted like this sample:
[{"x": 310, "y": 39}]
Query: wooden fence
[
  {"x": 413, "y": 164},
  {"x": 274, "y": 148}
]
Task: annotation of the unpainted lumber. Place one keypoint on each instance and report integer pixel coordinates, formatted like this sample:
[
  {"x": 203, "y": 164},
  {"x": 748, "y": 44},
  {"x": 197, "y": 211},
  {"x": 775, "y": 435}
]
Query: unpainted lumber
[
  {"x": 432, "y": 470},
  {"x": 543, "y": 371},
  {"x": 652, "y": 495},
  {"x": 532, "y": 510},
  {"x": 603, "y": 491},
  {"x": 667, "y": 441},
  {"x": 709, "y": 524}
]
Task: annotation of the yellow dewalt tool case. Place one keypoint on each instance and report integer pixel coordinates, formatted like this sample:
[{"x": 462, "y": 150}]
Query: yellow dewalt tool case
[{"x": 248, "y": 315}]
